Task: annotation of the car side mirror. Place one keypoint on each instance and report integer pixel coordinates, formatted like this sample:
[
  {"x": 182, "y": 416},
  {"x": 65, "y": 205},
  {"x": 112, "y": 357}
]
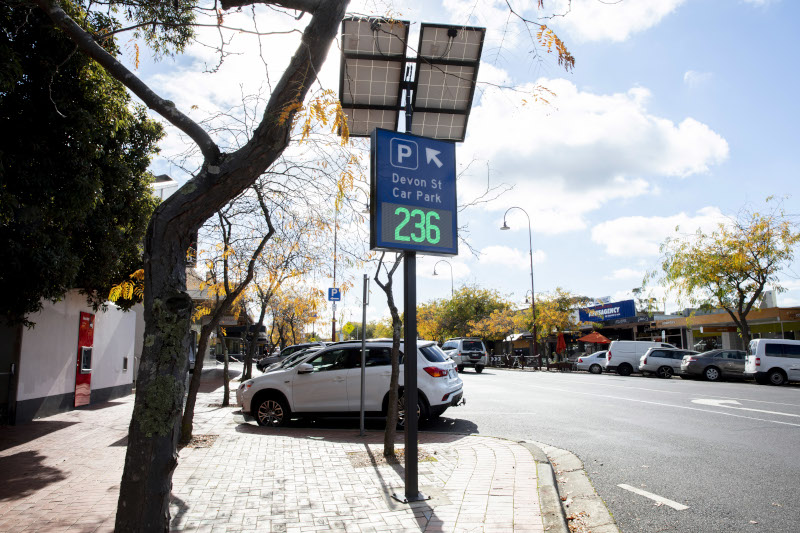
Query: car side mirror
[{"x": 305, "y": 368}]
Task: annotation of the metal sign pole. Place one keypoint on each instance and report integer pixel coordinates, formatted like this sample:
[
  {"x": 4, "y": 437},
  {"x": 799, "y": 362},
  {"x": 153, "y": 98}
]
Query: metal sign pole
[
  {"x": 363, "y": 348},
  {"x": 410, "y": 375}
]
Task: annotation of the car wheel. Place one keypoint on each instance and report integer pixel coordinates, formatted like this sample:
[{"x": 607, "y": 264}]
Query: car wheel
[
  {"x": 478, "y": 368},
  {"x": 596, "y": 369},
  {"x": 664, "y": 372},
  {"x": 422, "y": 414},
  {"x": 761, "y": 379},
  {"x": 712, "y": 373},
  {"x": 624, "y": 370},
  {"x": 272, "y": 412},
  {"x": 460, "y": 368},
  {"x": 777, "y": 377}
]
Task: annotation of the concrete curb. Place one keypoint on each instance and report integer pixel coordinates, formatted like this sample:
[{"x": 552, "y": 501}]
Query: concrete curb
[
  {"x": 552, "y": 512},
  {"x": 583, "y": 505}
]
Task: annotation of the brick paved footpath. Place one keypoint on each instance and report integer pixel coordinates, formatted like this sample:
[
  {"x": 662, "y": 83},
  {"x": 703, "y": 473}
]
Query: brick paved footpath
[{"x": 62, "y": 473}]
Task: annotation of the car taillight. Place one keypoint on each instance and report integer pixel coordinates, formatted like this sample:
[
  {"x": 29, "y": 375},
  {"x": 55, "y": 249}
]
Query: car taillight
[
  {"x": 435, "y": 371},
  {"x": 580, "y": 359},
  {"x": 758, "y": 361},
  {"x": 609, "y": 356},
  {"x": 691, "y": 359},
  {"x": 645, "y": 361}
]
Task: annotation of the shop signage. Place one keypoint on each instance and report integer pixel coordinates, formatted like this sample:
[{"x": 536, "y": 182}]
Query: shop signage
[{"x": 609, "y": 312}]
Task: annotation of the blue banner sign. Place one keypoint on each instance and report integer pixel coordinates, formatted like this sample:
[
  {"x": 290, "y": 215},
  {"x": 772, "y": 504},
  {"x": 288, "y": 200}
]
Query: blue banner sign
[
  {"x": 413, "y": 194},
  {"x": 606, "y": 312}
]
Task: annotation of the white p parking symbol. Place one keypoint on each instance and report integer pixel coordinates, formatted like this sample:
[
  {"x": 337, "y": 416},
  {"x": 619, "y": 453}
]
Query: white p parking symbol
[{"x": 404, "y": 154}]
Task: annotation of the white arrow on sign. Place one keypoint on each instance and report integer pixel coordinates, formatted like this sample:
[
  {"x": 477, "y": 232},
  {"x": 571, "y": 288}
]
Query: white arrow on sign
[
  {"x": 431, "y": 154},
  {"x": 731, "y": 404}
]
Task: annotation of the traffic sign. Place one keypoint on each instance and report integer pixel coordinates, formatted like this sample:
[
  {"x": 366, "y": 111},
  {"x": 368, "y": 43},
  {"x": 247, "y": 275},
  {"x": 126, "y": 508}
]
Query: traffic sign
[
  {"x": 334, "y": 294},
  {"x": 413, "y": 194}
]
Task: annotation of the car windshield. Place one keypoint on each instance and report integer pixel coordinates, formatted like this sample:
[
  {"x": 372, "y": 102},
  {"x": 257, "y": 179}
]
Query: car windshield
[
  {"x": 295, "y": 359},
  {"x": 433, "y": 353},
  {"x": 476, "y": 346}
]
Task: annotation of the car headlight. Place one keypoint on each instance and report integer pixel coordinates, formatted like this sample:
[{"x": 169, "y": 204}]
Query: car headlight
[{"x": 246, "y": 385}]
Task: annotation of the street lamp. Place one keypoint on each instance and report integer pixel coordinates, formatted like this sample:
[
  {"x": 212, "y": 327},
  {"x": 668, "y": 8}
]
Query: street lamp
[
  {"x": 533, "y": 299},
  {"x": 451, "y": 274}
]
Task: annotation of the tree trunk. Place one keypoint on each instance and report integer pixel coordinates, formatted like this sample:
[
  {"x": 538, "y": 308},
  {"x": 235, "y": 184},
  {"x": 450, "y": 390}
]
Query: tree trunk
[
  {"x": 194, "y": 385},
  {"x": 153, "y": 435}
]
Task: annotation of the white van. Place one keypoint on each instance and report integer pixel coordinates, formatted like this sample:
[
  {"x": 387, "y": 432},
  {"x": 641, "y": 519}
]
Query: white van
[
  {"x": 623, "y": 356},
  {"x": 773, "y": 361}
]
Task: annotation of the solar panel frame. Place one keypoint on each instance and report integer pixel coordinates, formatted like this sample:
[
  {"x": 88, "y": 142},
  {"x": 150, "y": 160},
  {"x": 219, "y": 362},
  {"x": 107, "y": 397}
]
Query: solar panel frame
[
  {"x": 431, "y": 57},
  {"x": 382, "y": 53}
]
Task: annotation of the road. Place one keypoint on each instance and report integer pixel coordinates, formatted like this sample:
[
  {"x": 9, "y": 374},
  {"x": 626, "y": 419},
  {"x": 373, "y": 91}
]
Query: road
[{"x": 729, "y": 452}]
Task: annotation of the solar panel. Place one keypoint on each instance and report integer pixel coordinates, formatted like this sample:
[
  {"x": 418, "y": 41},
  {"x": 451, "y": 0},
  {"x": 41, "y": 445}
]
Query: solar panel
[
  {"x": 445, "y": 76},
  {"x": 374, "y": 68}
]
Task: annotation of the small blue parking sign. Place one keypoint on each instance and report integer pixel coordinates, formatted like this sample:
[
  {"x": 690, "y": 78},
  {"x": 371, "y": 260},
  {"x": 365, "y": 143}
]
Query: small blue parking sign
[{"x": 334, "y": 295}]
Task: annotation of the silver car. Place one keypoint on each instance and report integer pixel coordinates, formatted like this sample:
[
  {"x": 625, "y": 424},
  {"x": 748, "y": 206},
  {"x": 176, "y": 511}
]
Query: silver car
[
  {"x": 663, "y": 362},
  {"x": 593, "y": 363}
]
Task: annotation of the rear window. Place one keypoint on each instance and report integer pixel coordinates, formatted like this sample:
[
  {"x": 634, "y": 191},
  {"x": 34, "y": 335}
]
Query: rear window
[
  {"x": 473, "y": 346},
  {"x": 450, "y": 345},
  {"x": 433, "y": 353},
  {"x": 659, "y": 353}
]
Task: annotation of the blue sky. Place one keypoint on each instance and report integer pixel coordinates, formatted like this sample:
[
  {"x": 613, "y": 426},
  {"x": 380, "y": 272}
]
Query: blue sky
[{"x": 678, "y": 112}]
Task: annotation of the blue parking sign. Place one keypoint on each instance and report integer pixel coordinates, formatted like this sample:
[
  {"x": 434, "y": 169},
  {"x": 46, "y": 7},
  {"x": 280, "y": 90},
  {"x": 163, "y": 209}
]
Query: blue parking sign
[{"x": 334, "y": 294}]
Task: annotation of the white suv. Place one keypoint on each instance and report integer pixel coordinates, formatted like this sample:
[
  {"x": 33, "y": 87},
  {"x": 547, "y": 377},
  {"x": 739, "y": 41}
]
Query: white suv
[
  {"x": 467, "y": 352},
  {"x": 328, "y": 383}
]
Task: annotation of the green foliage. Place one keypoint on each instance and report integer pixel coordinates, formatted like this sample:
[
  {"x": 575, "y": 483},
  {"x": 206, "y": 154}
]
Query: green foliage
[
  {"x": 461, "y": 315},
  {"x": 731, "y": 266},
  {"x": 75, "y": 193},
  {"x": 555, "y": 312}
]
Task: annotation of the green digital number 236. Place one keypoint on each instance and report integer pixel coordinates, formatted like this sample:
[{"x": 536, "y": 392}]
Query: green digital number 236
[{"x": 428, "y": 231}]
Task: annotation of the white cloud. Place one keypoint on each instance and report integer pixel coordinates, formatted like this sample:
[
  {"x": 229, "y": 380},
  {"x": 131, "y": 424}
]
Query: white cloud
[
  {"x": 510, "y": 257},
  {"x": 695, "y": 79},
  {"x": 590, "y": 20},
  {"x": 626, "y": 274},
  {"x": 585, "y": 20},
  {"x": 641, "y": 236},
  {"x": 578, "y": 154}
]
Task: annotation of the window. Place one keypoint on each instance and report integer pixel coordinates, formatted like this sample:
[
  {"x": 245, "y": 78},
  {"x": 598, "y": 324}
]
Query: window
[
  {"x": 773, "y": 350},
  {"x": 450, "y": 345},
  {"x": 791, "y": 350},
  {"x": 473, "y": 346},
  {"x": 379, "y": 357},
  {"x": 341, "y": 359},
  {"x": 433, "y": 353},
  {"x": 658, "y": 353},
  {"x": 719, "y": 355}
]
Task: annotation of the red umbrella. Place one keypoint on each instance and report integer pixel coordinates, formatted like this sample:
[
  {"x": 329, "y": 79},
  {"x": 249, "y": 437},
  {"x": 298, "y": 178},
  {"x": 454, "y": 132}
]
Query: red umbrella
[
  {"x": 561, "y": 345},
  {"x": 595, "y": 338}
]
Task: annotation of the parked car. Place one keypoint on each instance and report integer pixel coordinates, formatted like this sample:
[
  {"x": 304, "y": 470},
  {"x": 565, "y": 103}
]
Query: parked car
[
  {"x": 328, "y": 383},
  {"x": 467, "y": 352},
  {"x": 623, "y": 356},
  {"x": 264, "y": 362},
  {"x": 293, "y": 359},
  {"x": 773, "y": 361},
  {"x": 714, "y": 365},
  {"x": 593, "y": 363},
  {"x": 663, "y": 362}
]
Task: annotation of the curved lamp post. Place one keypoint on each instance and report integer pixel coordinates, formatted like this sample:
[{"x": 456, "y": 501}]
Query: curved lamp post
[
  {"x": 530, "y": 250},
  {"x": 451, "y": 274}
]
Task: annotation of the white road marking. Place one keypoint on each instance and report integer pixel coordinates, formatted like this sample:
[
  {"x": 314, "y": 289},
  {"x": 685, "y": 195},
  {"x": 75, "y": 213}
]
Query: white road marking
[
  {"x": 684, "y": 392},
  {"x": 725, "y": 403},
  {"x": 669, "y": 405},
  {"x": 655, "y": 497}
]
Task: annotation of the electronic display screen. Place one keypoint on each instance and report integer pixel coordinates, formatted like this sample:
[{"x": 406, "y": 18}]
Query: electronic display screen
[{"x": 413, "y": 194}]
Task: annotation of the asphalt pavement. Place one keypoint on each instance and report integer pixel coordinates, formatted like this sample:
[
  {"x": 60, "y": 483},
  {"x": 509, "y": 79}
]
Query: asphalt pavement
[{"x": 664, "y": 455}]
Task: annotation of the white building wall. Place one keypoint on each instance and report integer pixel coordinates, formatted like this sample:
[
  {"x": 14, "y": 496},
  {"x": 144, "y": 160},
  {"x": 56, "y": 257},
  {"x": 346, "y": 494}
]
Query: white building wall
[{"x": 48, "y": 355}]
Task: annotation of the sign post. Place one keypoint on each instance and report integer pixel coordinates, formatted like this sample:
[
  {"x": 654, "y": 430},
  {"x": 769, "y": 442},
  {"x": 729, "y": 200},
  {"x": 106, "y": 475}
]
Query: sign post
[{"x": 414, "y": 209}]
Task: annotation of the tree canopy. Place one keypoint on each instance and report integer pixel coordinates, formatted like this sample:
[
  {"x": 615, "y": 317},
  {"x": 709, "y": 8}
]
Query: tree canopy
[
  {"x": 731, "y": 266},
  {"x": 75, "y": 197}
]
